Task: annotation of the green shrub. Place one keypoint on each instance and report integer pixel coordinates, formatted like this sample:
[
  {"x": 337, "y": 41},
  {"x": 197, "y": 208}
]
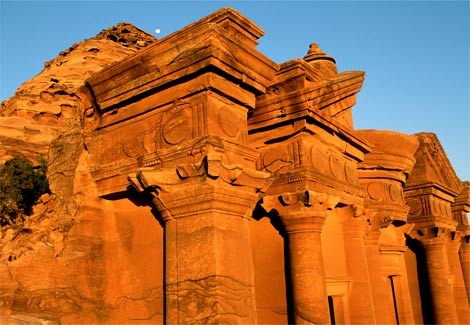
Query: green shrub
[{"x": 21, "y": 185}]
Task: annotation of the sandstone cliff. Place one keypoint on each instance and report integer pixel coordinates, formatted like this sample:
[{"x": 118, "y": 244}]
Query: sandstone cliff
[{"x": 50, "y": 265}]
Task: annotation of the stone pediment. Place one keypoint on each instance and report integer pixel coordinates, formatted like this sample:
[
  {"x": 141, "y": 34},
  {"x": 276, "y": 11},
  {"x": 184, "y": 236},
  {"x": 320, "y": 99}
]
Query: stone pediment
[
  {"x": 432, "y": 186},
  {"x": 433, "y": 168}
]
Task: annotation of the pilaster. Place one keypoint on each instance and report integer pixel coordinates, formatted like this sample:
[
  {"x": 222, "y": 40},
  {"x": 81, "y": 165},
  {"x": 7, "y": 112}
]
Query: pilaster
[
  {"x": 360, "y": 296},
  {"x": 206, "y": 208}
]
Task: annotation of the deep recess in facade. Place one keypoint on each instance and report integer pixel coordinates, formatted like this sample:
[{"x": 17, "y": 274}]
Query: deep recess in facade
[{"x": 195, "y": 181}]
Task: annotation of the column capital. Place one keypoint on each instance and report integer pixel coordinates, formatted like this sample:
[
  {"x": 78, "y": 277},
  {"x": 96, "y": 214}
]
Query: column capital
[
  {"x": 209, "y": 184},
  {"x": 465, "y": 241},
  {"x": 300, "y": 211},
  {"x": 431, "y": 237}
]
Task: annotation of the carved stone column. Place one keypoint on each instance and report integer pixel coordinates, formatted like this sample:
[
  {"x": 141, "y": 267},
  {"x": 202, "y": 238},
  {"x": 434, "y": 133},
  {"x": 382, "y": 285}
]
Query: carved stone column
[
  {"x": 441, "y": 294},
  {"x": 460, "y": 210},
  {"x": 464, "y": 254},
  {"x": 383, "y": 174},
  {"x": 431, "y": 192},
  {"x": 458, "y": 286},
  {"x": 302, "y": 215},
  {"x": 205, "y": 208}
]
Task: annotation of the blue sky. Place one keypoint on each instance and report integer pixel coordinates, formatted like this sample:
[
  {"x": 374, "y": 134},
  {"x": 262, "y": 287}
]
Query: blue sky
[{"x": 415, "y": 53}]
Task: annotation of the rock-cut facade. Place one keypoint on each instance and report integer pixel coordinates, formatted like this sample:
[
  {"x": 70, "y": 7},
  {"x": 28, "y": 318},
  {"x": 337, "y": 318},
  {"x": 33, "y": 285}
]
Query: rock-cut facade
[{"x": 195, "y": 181}]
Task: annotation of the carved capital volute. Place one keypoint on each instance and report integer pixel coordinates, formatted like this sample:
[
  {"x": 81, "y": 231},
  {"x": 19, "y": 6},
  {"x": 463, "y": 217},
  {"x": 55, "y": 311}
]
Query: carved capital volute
[{"x": 300, "y": 211}]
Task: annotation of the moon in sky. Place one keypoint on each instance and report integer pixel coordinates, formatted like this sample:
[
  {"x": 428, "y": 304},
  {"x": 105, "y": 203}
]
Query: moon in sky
[{"x": 157, "y": 31}]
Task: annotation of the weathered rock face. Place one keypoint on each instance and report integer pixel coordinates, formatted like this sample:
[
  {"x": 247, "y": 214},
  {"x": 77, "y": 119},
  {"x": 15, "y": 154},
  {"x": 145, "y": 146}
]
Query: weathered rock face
[
  {"x": 45, "y": 105},
  {"x": 52, "y": 266}
]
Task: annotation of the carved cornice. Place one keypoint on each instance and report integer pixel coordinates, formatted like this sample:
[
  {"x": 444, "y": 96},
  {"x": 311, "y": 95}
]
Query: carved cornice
[
  {"x": 167, "y": 136},
  {"x": 384, "y": 171}
]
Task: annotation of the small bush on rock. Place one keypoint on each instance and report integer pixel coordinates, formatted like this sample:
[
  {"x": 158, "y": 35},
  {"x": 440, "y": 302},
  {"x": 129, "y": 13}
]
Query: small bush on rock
[{"x": 21, "y": 185}]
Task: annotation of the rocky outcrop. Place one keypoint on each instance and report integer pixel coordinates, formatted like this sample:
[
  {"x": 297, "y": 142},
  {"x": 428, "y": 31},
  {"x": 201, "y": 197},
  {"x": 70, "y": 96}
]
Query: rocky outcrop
[
  {"x": 40, "y": 258},
  {"x": 50, "y": 102}
]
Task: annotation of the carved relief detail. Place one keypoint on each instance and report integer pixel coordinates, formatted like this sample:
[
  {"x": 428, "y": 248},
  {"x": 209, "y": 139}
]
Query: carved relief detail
[
  {"x": 336, "y": 168},
  {"x": 208, "y": 166},
  {"x": 416, "y": 207},
  {"x": 385, "y": 192},
  {"x": 327, "y": 162},
  {"x": 134, "y": 147},
  {"x": 177, "y": 126},
  {"x": 319, "y": 160},
  {"x": 351, "y": 172},
  {"x": 229, "y": 122},
  {"x": 429, "y": 206},
  {"x": 375, "y": 191},
  {"x": 396, "y": 193}
]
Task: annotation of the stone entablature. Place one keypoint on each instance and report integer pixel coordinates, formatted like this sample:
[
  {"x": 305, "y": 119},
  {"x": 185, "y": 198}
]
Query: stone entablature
[{"x": 209, "y": 76}]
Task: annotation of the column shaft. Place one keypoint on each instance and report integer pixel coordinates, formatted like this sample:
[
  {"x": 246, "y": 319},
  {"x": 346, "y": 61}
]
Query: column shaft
[
  {"x": 441, "y": 293},
  {"x": 460, "y": 294},
  {"x": 308, "y": 278},
  {"x": 464, "y": 254}
]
